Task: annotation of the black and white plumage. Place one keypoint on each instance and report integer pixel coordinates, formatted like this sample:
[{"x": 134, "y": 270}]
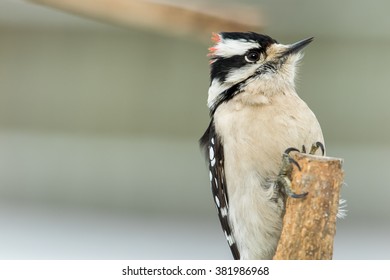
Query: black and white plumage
[
  {"x": 255, "y": 116},
  {"x": 214, "y": 152}
]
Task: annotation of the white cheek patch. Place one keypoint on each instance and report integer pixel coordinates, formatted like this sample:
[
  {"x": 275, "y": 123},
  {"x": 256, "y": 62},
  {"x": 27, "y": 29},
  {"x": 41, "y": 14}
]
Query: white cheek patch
[
  {"x": 239, "y": 74},
  {"x": 229, "y": 47}
]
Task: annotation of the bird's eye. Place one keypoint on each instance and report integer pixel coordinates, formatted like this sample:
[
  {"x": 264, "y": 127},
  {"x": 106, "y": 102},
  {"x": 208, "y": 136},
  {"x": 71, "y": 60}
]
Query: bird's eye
[{"x": 252, "y": 56}]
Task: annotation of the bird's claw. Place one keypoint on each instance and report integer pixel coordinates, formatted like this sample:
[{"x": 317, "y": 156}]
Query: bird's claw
[
  {"x": 314, "y": 148},
  {"x": 283, "y": 180},
  {"x": 289, "y": 160}
]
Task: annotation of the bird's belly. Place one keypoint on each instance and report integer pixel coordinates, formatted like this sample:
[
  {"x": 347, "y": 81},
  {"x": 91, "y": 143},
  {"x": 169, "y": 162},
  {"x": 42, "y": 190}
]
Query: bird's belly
[{"x": 254, "y": 139}]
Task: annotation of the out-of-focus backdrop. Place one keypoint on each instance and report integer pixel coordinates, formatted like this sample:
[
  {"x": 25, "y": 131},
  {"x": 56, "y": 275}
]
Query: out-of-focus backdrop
[{"x": 99, "y": 123}]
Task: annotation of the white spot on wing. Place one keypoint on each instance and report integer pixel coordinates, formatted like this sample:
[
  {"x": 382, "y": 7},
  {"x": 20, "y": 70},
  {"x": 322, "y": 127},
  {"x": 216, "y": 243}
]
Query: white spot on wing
[
  {"x": 229, "y": 239},
  {"x": 216, "y": 182},
  {"x": 212, "y": 162},
  {"x": 211, "y": 153},
  {"x": 212, "y": 140},
  {"x": 224, "y": 212},
  {"x": 211, "y": 176},
  {"x": 217, "y": 202}
]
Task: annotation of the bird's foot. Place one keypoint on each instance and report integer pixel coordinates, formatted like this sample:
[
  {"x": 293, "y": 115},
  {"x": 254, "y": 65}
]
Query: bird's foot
[
  {"x": 314, "y": 148},
  {"x": 283, "y": 180}
]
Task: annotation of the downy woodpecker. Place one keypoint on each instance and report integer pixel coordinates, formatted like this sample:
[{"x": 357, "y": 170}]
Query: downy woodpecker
[{"x": 256, "y": 115}]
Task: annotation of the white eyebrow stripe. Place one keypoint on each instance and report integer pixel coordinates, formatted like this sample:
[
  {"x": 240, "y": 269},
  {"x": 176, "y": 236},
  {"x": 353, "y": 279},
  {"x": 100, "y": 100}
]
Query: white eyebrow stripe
[{"x": 230, "y": 47}]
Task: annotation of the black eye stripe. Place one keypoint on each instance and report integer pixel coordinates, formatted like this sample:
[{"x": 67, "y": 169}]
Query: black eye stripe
[{"x": 223, "y": 66}]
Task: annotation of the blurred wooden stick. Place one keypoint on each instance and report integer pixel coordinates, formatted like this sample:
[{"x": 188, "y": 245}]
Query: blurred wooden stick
[
  {"x": 177, "y": 17},
  {"x": 309, "y": 224}
]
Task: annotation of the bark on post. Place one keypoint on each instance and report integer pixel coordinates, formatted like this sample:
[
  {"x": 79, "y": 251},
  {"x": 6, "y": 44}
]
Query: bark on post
[{"x": 309, "y": 224}]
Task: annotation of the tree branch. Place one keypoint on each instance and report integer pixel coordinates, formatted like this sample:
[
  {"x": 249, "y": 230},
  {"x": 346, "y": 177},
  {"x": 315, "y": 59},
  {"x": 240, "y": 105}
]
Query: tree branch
[
  {"x": 309, "y": 224},
  {"x": 173, "y": 17}
]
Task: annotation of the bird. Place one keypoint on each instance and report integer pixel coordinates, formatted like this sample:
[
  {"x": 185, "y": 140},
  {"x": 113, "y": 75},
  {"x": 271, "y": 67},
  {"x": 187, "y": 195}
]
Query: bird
[{"x": 256, "y": 120}]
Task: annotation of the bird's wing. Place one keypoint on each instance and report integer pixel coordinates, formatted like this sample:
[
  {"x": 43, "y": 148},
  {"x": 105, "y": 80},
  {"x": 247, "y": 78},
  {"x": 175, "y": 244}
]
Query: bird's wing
[{"x": 213, "y": 149}]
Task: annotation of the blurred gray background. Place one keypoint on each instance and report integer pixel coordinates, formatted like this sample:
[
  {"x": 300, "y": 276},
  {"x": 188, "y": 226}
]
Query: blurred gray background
[{"x": 99, "y": 127}]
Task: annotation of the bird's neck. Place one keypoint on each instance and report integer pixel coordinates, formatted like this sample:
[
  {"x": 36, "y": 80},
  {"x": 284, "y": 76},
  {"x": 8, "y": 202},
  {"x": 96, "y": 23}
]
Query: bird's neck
[{"x": 262, "y": 91}]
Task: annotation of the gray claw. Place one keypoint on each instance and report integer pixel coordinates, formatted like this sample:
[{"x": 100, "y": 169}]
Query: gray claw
[
  {"x": 291, "y": 149},
  {"x": 315, "y": 147},
  {"x": 283, "y": 181}
]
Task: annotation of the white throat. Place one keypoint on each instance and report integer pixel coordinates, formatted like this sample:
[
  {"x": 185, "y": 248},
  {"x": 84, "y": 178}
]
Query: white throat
[{"x": 265, "y": 85}]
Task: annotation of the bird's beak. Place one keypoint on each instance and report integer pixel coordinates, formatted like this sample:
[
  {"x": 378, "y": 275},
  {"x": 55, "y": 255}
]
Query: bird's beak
[{"x": 296, "y": 47}]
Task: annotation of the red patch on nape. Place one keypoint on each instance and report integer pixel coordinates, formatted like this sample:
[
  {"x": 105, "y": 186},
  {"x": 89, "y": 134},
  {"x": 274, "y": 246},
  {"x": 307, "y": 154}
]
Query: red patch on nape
[
  {"x": 216, "y": 38},
  {"x": 212, "y": 51}
]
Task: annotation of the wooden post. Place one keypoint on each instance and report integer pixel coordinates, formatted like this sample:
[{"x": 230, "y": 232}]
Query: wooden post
[{"x": 309, "y": 224}]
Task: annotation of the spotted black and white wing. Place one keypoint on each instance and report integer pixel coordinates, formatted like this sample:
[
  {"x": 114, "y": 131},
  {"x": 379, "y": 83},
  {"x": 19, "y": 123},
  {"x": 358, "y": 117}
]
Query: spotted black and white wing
[{"x": 213, "y": 148}]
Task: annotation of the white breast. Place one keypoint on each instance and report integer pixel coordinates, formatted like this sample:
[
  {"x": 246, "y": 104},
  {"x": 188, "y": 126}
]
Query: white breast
[{"x": 254, "y": 137}]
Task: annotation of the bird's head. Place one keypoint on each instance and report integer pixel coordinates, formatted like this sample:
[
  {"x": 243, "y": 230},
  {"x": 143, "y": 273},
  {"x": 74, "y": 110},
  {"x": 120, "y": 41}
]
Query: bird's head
[{"x": 247, "y": 61}]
